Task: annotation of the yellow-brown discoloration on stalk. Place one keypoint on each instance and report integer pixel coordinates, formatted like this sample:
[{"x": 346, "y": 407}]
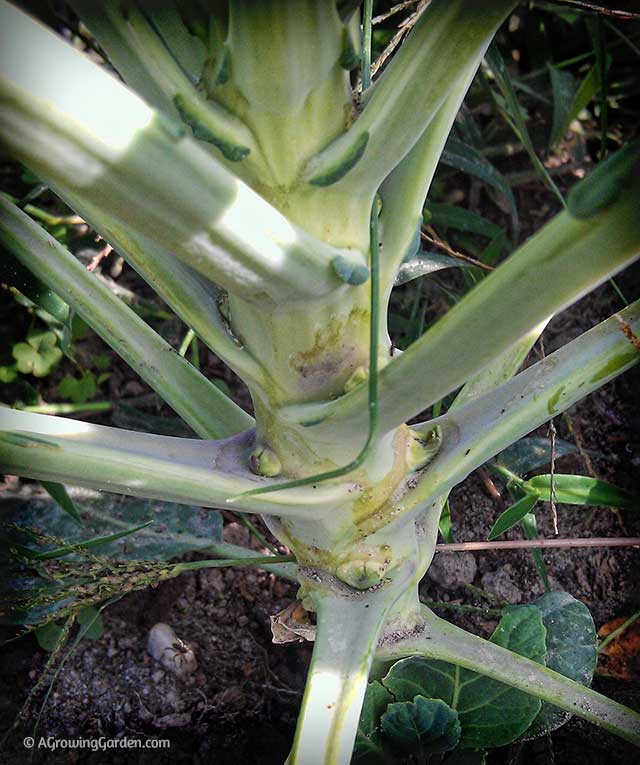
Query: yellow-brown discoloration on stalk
[
  {"x": 336, "y": 352},
  {"x": 374, "y": 498}
]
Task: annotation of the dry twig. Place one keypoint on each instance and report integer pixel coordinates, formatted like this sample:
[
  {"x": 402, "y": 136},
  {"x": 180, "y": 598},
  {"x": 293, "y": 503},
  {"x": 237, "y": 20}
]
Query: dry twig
[
  {"x": 532, "y": 544},
  {"x": 405, "y": 27},
  {"x": 435, "y": 240}
]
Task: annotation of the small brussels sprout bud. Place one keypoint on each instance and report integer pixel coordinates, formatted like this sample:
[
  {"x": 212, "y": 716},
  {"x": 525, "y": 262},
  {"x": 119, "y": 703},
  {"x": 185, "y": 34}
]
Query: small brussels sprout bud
[
  {"x": 422, "y": 448},
  {"x": 365, "y": 567},
  {"x": 359, "y": 375},
  {"x": 264, "y": 461}
]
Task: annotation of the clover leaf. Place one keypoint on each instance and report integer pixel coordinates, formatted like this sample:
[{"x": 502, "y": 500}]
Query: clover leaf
[{"x": 39, "y": 354}]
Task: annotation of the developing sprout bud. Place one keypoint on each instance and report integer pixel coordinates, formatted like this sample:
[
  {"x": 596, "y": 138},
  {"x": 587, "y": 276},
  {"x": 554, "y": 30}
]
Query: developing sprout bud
[
  {"x": 359, "y": 375},
  {"x": 365, "y": 567},
  {"x": 264, "y": 461},
  {"x": 422, "y": 448}
]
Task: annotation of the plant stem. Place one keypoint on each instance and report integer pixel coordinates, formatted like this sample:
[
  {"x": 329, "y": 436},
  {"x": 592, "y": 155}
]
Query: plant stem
[
  {"x": 372, "y": 386},
  {"x": 618, "y": 631},
  {"x": 366, "y": 44},
  {"x": 191, "y": 471},
  {"x": 89, "y": 406},
  {"x": 462, "y": 607},
  {"x": 497, "y": 313},
  {"x": 186, "y": 342},
  {"x": 269, "y": 560},
  {"x": 529, "y": 544}
]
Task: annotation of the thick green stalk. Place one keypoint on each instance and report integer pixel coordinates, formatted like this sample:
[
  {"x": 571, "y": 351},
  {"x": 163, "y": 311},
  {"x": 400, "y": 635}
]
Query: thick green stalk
[
  {"x": 200, "y": 403},
  {"x": 84, "y": 132},
  {"x": 287, "y": 83},
  {"x": 503, "y": 368},
  {"x": 349, "y": 623},
  {"x": 372, "y": 382},
  {"x": 190, "y": 471},
  {"x": 437, "y": 639}
]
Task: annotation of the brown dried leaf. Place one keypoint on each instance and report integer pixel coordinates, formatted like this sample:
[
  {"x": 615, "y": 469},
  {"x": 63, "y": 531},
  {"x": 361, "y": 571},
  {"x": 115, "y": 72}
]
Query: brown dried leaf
[
  {"x": 621, "y": 658},
  {"x": 292, "y": 625}
]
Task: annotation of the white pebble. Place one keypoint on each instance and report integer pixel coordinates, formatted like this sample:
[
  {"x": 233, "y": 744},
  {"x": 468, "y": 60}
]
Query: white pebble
[{"x": 173, "y": 654}]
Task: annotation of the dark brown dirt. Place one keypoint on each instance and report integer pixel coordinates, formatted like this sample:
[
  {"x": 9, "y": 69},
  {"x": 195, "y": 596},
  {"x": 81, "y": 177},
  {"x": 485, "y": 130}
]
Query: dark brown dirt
[{"x": 239, "y": 706}]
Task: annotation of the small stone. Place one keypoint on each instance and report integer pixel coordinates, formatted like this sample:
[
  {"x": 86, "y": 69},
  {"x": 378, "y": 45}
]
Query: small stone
[
  {"x": 453, "y": 570},
  {"x": 157, "y": 676},
  {"x": 173, "y": 654},
  {"x": 501, "y": 583}
]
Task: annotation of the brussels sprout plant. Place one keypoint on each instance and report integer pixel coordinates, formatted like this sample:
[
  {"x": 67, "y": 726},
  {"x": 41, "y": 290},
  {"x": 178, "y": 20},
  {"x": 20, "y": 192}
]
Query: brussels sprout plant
[{"x": 270, "y": 197}]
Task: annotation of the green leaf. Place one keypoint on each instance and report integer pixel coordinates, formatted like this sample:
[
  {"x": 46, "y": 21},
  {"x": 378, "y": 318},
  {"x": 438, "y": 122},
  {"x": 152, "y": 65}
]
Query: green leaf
[
  {"x": 444, "y": 524},
  {"x": 586, "y": 92},
  {"x": 8, "y": 373},
  {"x": 175, "y": 529},
  {"x": 513, "y": 515},
  {"x": 101, "y": 362},
  {"x": 491, "y": 713},
  {"x": 530, "y": 530},
  {"x": 90, "y": 616},
  {"x": 528, "y": 454},
  {"x": 58, "y": 492},
  {"x": 368, "y": 747},
  {"x": 421, "y": 727},
  {"x": 48, "y": 636},
  {"x": 16, "y": 275},
  {"x": 469, "y": 160},
  {"x": 78, "y": 389},
  {"x": 571, "y": 650},
  {"x": 494, "y": 249},
  {"x": 449, "y": 216},
  {"x": 512, "y": 112},
  {"x": 425, "y": 263},
  {"x": 569, "y": 99},
  {"x": 563, "y": 88},
  {"x": 602, "y": 187},
  {"x": 77, "y": 546},
  {"x": 39, "y": 355},
  {"x": 581, "y": 490}
]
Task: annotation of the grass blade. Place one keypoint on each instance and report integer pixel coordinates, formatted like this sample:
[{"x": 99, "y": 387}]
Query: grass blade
[
  {"x": 513, "y": 515},
  {"x": 581, "y": 490},
  {"x": 58, "y": 493}
]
